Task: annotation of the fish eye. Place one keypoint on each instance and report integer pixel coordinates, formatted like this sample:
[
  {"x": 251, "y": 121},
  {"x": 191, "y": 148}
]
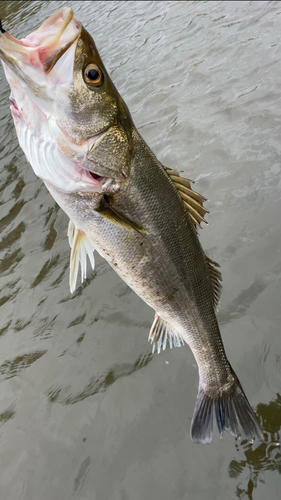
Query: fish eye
[{"x": 93, "y": 75}]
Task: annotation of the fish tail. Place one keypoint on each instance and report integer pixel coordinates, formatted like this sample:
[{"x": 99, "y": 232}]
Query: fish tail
[{"x": 232, "y": 410}]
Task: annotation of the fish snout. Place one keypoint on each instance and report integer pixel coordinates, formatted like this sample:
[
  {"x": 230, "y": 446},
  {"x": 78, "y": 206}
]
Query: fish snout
[{"x": 42, "y": 48}]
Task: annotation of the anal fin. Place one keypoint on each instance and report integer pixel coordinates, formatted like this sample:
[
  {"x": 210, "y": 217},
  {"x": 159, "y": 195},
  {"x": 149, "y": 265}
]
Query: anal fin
[
  {"x": 161, "y": 334},
  {"x": 81, "y": 246}
]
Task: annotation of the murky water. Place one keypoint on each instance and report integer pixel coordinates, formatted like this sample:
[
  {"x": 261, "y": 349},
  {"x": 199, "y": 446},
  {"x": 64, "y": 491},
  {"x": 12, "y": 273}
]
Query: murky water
[{"x": 81, "y": 415}]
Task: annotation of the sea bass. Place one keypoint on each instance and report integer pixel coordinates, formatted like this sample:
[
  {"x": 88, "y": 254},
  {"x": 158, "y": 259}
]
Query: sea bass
[{"x": 142, "y": 217}]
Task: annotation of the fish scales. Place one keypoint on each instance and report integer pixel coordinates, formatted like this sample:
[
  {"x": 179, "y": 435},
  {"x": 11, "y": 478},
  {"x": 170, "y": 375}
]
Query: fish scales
[
  {"x": 139, "y": 215},
  {"x": 170, "y": 238}
]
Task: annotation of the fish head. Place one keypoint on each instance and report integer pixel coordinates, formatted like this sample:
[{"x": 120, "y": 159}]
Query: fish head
[{"x": 70, "y": 120}]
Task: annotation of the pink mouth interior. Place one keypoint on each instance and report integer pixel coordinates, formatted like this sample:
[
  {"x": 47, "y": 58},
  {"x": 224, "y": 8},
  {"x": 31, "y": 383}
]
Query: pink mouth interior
[
  {"x": 57, "y": 32},
  {"x": 96, "y": 176}
]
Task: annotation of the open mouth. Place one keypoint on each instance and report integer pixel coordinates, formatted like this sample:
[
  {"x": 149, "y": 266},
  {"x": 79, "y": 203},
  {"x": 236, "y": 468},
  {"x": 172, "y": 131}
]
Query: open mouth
[
  {"x": 43, "y": 47},
  {"x": 45, "y": 57},
  {"x": 96, "y": 176}
]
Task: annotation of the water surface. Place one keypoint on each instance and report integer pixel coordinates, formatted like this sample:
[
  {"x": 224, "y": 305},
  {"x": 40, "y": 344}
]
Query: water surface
[{"x": 82, "y": 414}]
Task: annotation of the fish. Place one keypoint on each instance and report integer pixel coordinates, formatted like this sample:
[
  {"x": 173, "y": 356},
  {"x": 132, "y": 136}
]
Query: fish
[{"x": 143, "y": 217}]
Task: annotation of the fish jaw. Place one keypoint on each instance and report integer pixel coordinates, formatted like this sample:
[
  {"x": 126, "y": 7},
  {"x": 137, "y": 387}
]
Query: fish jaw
[
  {"x": 41, "y": 140},
  {"x": 34, "y": 67},
  {"x": 41, "y": 62},
  {"x": 42, "y": 49},
  {"x": 45, "y": 71}
]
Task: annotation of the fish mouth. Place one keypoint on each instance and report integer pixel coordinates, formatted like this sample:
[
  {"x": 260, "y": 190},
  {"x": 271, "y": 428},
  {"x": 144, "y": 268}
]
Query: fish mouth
[
  {"x": 34, "y": 66},
  {"x": 42, "y": 48}
]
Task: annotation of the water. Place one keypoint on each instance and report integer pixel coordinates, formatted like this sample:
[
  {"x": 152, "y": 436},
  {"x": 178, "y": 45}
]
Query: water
[{"x": 82, "y": 416}]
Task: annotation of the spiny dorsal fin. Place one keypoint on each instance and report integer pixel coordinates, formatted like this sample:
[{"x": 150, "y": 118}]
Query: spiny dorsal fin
[
  {"x": 193, "y": 201},
  {"x": 216, "y": 278},
  {"x": 162, "y": 333},
  {"x": 81, "y": 246}
]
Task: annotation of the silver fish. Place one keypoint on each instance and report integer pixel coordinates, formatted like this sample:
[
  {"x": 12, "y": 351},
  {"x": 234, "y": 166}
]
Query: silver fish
[{"x": 142, "y": 217}]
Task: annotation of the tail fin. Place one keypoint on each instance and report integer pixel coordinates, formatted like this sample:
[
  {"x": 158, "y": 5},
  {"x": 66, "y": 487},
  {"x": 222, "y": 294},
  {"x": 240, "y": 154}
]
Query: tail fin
[{"x": 233, "y": 412}]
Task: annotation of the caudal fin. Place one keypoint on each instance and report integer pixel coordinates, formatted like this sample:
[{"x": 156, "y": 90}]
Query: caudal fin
[{"x": 233, "y": 414}]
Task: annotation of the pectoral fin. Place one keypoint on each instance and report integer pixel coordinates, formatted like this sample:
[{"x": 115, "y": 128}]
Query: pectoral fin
[
  {"x": 81, "y": 246},
  {"x": 116, "y": 217}
]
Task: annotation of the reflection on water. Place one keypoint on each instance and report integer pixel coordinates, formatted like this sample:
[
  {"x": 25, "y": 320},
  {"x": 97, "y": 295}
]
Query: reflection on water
[
  {"x": 95, "y": 385},
  {"x": 86, "y": 412},
  {"x": 258, "y": 459}
]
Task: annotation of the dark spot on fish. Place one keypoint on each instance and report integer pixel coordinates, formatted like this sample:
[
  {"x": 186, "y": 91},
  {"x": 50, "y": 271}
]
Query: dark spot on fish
[{"x": 171, "y": 295}]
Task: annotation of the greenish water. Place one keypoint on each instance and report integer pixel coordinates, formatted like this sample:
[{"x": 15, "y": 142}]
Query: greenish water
[{"x": 81, "y": 415}]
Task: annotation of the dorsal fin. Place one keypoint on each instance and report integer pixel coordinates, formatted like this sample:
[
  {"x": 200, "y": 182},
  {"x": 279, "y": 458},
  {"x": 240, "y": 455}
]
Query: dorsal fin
[
  {"x": 192, "y": 201},
  {"x": 81, "y": 246},
  {"x": 216, "y": 278},
  {"x": 161, "y": 334}
]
